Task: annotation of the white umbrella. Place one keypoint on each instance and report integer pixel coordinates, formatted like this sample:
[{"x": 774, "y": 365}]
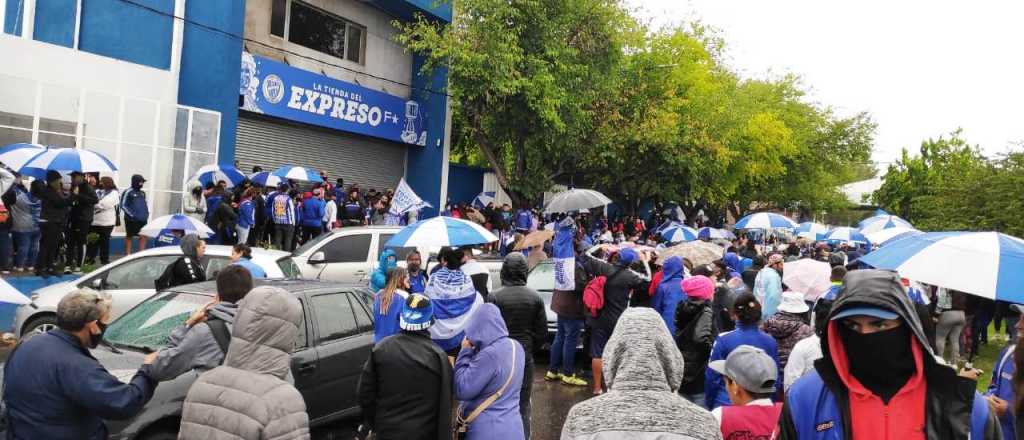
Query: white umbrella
[
  {"x": 885, "y": 235},
  {"x": 576, "y": 200},
  {"x": 8, "y": 294},
  {"x": 809, "y": 276}
]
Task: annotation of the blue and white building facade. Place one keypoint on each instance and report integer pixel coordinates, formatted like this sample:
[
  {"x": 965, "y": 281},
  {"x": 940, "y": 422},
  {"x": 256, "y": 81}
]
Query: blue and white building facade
[{"x": 163, "y": 87}]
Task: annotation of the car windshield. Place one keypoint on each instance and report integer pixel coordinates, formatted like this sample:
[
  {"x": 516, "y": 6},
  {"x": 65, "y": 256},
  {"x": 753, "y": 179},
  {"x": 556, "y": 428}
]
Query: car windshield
[
  {"x": 289, "y": 268},
  {"x": 542, "y": 277},
  {"x": 311, "y": 244},
  {"x": 147, "y": 326}
]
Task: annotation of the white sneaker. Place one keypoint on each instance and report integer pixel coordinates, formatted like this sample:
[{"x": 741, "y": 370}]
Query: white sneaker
[{"x": 76, "y": 271}]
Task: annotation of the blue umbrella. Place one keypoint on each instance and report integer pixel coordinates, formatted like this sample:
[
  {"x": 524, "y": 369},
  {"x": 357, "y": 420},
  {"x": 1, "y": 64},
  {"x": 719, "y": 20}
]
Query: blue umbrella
[
  {"x": 811, "y": 230},
  {"x": 441, "y": 231},
  {"x": 878, "y": 213},
  {"x": 16, "y": 156},
  {"x": 482, "y": 199},
  {"x": 176, "y": 222},
  {"x": 708, "y": 233},
  {"x": 217, "y": 173},
  {"x": 264, "y": 178},
  {"x": 875, "y": 224},
  {"x": 986, "y": 264},
  {"x": 70, "y": 159},
  {"x": 298, "y": 173},
  {"x": 676, "y": 234},
  {"x": 846, "y": 234},
  {"x": 765, "y": 220}
]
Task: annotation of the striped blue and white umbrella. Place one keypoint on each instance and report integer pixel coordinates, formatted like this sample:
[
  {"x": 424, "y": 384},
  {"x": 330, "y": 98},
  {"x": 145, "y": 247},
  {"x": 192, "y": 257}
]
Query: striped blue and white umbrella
[
  {"x": 178, "y": 222},
  {"x": 264, "y": 178},
  {"x": 878, "y": 223},
  {"x": 71, "y": 159},
  {"x": 987, "y": 264},
  {"x": 708, "y": 233},
  {"x": 765, "y": 220},
  {"x": 298, "y": 173},
  {"x": 16, "y": 156},
  {"x": 676, "y": 234},
  {"x": 884, "y": 236},
  {"x": 217, "y": 173},
  {"x": 441, "y": 231},
  {"x": 878, "y": 213},
  {"x": 846, "y": 234},
  {"x": 482, "y": 199},
  {"x": 812, "y": 231}
]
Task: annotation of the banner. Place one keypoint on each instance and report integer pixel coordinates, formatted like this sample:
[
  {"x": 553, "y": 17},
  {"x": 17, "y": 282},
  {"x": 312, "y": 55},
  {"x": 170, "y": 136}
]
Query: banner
[
  {"x": 406, "y": 200},
  {"x": 280, "y": 90},
  {"x": 564, "y": 256}
]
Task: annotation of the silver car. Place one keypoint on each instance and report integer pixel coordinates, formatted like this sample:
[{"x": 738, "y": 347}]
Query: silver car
[{"x": 130, "y": 280}]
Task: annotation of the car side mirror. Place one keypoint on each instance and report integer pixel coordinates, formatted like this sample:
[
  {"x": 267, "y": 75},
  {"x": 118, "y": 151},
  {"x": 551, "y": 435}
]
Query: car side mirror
[
  {"x": 318, "y": 258},
  {"x": 97, "y": 284}
]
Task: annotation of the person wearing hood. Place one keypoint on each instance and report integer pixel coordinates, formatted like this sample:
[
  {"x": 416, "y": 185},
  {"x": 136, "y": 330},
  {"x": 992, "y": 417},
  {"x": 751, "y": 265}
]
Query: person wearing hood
[
  {"x": 490, "y": 363},
  {"x": 643, "y": 369},
  {"x": 878, "y": 377},
  {"x": 455, "y": 301},
  {"x": 386, "y": 304},
  {"x": 387, "y": 261},
  {"x": 735, "y": 266},
  {"x": 249, "y": 397},
  {"x": 789, "y": 325},
  {"x": 750, "y": 376},
  {"x": 136, "y": 214},
  {"x": 523, "y": 311},
  {"x": 620, "y": 281},
  {"x": 695, "y": 333},
  {"x": 768, "y": 285},
  {"x": 405, "y": 390},
  {"x": 746, "y": 311},
  {"x": 669, "y": 292},
  {"x": 186, "y": 269},
  {"x": 201, "y": 342}
]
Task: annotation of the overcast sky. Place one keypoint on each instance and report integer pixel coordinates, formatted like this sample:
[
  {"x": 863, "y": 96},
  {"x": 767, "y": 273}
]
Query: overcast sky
[{"x": 921, "y": 68}]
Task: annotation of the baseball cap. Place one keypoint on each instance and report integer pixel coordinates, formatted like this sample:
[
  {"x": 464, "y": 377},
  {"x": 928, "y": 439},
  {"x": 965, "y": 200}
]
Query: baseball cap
[
  {"x": 627, "y": 256},
  {"x": 750, "y": 367},
  {"x": 876, "y": 312},
  {"x": 775, "y": 259},
  {"x": 417, "y": 313}
]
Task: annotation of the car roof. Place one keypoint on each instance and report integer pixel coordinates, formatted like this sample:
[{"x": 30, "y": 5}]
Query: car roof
[
  {"x": 213, "y": 249},
  {"x": 297, "y": 286}
]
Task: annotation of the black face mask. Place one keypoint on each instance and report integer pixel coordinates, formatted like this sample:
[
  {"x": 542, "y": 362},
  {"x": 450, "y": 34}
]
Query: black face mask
[
  {"x": 94, "y": 339},
  {"x": 881, "y": 361}
]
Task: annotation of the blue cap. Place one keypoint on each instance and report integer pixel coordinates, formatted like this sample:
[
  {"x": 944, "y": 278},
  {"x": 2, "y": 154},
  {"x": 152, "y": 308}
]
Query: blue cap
[
  {"x": 876, "y": 312},
  {"x": 417, "y": 313},
  {"x": 627, "y": 256}
]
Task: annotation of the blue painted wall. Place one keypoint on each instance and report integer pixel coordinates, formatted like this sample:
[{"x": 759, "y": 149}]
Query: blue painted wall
[
  {"x": 424, "y": 164},
  {"x": 12, "y": 16},
  {"x": 464, "y": 182},
  {"x": 127, "y": 31},
  {"x": 55, "y": 22},
  {"x": 211, "y": 64}
]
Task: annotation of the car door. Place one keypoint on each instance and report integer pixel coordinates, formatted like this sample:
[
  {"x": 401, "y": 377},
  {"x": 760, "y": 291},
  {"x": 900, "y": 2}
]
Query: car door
[
  {"x": 343, "y": 345},
  {"x": 305, "y": 362},
  {"x": 346, "y": 259},
  {"x": 131, "y": 282}
]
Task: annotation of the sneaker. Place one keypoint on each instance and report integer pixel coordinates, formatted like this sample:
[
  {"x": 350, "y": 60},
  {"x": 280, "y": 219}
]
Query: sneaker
[
  {"x": 573, "y": 381},
  {"x": 553, "y": 376},
  {"x": 18, "y": 269},
  {"x": 77, "y": 271}
]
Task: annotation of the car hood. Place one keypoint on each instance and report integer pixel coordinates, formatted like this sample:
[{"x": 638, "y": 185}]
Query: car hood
[
  {"x": 49, "y": 296},
  {"x": 122, "y": 365}
]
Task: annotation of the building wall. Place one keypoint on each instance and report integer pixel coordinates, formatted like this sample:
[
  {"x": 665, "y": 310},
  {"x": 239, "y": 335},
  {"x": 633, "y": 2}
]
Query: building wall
[{"x": 464, "y": 182}]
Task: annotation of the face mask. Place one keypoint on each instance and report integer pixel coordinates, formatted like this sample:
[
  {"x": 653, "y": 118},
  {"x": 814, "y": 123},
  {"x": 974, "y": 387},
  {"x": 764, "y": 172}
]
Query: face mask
[
  {"x": 94, "y": 339},
  {"x": 414, "y": 267},
  {"x": 881, "y": 361}
]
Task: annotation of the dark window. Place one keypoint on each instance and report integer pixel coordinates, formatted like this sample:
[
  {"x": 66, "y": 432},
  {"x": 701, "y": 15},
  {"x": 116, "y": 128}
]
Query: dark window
[
  {"x": 334, "y": 316},
  {"x": 400, "y": 252},
  {"x": 277, "y": 16},
  {"x": 301, "y": 339},
  {"x": 363, "y": 319},
  {"x": 355, "y": 44},
  {"x": 348, "y": 249}
]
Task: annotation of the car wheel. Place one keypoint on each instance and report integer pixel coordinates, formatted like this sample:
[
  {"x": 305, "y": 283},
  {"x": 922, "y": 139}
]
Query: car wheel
[{"x": 39, "y": 325}]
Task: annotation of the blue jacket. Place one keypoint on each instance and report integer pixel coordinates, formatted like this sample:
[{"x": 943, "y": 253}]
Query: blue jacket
[
  {"x": 133, "y": 204},
  {"x": 386, "y": 324},
  {"x": 313, "y": 212},
  {"x": 387, "y": 261},
  {"x": 715, "y": 394},
  {"x": 669, "y": 292},
  {"x": 254, "y": 269},
  {"x": 246, "y": 214},
  {"x": 418, "y": 282},
  {"x": 1002, "y": 387},
  {"x": 55, "y": 389},
  {"x": 481, "y": 370},
  {"x": 523, "y": 220},
  {"x": 768, "y": 290}
]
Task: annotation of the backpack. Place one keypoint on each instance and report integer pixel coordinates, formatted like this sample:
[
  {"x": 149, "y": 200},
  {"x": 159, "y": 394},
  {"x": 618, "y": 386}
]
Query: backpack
[{"x": 593, "y": 294}]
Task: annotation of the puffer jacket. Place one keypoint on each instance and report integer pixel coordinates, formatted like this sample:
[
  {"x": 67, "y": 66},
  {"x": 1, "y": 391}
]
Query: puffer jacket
[
  {"x": 787, "y": 329},
  {"x": 694, "y": 320},
  {"x": 481, "y": 370},
  {"x": 521, "y": 307},
  {"x": 248, "y": 397},
  {"x": 642, "y": 368}
]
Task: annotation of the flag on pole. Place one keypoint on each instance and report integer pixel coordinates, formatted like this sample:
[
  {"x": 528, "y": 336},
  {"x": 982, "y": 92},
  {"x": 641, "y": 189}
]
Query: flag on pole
[
  {"x": 564, "y": 256},
  {"x": 406, "y": 200}
]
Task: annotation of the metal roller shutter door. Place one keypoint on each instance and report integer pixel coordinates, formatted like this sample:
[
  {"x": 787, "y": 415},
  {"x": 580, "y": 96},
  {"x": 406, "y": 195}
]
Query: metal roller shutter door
[{"x": 272, "y": 143}]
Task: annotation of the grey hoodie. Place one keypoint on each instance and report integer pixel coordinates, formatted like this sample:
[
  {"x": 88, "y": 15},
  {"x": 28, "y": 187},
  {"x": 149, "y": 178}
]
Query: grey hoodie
[
  {"x": 188, "y": 245},
  {"x": 643, "y": 369},
  {"x": 193, "y": 347},
  {"x": 248, "y": 397}
]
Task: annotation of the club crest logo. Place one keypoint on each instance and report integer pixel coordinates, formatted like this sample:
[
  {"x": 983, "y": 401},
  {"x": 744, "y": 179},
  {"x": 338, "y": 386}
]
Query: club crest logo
[{"x": 273, "y": 88}]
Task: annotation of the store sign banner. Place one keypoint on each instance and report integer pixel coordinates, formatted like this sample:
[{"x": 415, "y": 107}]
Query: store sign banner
[{"x": 283, "y": 91}]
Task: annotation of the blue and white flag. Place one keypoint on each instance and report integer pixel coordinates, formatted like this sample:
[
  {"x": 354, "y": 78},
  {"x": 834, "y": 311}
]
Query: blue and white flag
[
  {"x": 405, "y": 200},
  {"x": 564, "y": 256},
  {"x": 455, "y": 300}
]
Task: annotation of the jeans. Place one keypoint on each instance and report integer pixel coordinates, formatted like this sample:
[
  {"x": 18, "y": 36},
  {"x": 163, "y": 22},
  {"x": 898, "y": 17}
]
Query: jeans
[
  {"x": 101, "y": 246},
  {"x": 283, "y": 235},
  {"x": 5, "y": 248},
  {"x": 243, "y": 233},
  {"x": 563, "y": 349},
  {"x": 28, "y": 248},
  {"x": 951, "y": 324}
]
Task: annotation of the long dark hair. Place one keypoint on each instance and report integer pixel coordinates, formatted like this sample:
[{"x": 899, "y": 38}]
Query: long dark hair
[{"x": 747, "y": 309}]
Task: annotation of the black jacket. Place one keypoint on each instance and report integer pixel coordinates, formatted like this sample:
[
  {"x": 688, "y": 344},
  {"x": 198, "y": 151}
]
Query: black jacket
[
  {"x": 695, "y": 333},
  {"x": 82, "y": 207},
  {"x": 521, "y": 307},
  {"x": 184, "y": 270},
  {"x": 949, "y": 397},
  {"x": 618, "y": 285},
  {"x": 55, "y": 205},
  {"x": 405, "y": 390},
  {"x": 224, "y": 217}
]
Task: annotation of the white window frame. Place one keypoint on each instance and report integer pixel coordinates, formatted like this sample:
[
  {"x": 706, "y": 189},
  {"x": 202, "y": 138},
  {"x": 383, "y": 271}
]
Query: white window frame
[{"x": 348, "y": 25}]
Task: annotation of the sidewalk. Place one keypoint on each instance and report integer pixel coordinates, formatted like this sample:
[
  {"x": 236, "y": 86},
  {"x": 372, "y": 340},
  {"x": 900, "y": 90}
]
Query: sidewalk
[{"x": 26, "y": 285}]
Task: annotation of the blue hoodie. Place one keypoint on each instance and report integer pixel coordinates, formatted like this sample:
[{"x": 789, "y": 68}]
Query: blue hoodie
[
  {"x": 246, "y": 214},
  {"x": 387, "y": 261},
  {"x": 313, "y": 212},
  {"x": 715, "y": 394},
  {"x": 133, "y": 202},
  {"x": 670, "y": 292},
  {"x": 735, "y": 265},
  {"x": 482, "y": 369}
]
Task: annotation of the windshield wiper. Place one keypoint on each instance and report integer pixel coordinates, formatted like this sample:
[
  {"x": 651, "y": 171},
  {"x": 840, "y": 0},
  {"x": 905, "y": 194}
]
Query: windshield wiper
[{"x": 110, "y": 345}]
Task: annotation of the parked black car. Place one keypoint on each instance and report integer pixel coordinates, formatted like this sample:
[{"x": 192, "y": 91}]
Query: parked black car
[{"x": 335, "y": 339}]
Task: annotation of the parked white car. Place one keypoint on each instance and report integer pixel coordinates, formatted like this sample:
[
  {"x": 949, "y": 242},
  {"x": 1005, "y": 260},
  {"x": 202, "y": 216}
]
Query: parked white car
[
  {"x": 130, "y": 280},
  {"x": 350, "y": 255}
]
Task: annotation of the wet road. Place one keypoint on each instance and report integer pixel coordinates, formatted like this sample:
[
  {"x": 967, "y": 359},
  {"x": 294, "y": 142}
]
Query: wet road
[{"x": 551, "y": 403}]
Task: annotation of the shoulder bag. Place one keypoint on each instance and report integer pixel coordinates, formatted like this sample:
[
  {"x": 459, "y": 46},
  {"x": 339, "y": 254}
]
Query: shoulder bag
[{"x": 462, "y": 424}]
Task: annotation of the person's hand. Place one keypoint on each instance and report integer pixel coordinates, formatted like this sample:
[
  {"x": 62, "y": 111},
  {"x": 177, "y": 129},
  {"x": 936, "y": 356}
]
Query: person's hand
[
  {"x": 970, "y": 373},
  {"x": 148, "y": 360},
  {"x": 466, "y": 343},
  {"x": 199, "y": 315},
  {"x": 999, "y": 406}
]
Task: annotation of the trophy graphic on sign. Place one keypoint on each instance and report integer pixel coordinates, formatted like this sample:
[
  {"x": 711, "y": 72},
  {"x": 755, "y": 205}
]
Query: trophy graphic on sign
[{"x": 412, "y": 111}]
